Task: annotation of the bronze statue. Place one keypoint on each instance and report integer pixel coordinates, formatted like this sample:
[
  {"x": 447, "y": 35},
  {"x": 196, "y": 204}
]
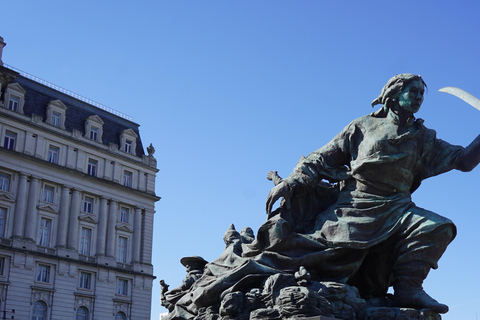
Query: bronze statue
[{"x": 347, "y": 216}]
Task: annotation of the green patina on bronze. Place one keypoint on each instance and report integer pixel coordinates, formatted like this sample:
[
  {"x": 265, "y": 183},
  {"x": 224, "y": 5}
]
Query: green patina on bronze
[{"x": 346, "y": 217}]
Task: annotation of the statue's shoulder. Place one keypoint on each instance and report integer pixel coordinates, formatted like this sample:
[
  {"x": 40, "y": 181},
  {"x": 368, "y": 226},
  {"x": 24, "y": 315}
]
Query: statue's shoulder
[{"x": 364, "y": 121}]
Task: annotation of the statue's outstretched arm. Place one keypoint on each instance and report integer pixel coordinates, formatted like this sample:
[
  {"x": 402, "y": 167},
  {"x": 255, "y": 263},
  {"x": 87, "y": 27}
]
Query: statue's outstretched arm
[{"x": 469, "y": 158}]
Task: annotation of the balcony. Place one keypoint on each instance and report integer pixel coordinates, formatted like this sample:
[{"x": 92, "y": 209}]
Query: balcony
[
  {"x": 86, "y": 258},
  {"x": 46, "y": 250},
  {"x": 6, "y": 242},
  {"x": 124, "y": 266}
]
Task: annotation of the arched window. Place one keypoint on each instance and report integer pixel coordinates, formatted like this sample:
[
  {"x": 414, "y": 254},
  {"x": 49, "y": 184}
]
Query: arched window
[
  {"x": 120, "y": 316},
  {"x": 39, "y": 311},
  {"x": 82, "y": 313}
]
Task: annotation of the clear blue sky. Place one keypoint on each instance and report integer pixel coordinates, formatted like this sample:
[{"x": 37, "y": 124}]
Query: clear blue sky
[{"x": 229, "y": 90}]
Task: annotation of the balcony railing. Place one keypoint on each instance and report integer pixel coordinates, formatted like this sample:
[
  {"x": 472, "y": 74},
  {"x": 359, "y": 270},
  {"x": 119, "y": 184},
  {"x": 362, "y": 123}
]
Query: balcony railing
[
  {"x": 46, "y": 250},
  {"x": 86, "y": 258},
  {"x": 124, "y": 266},
  {"x": 5, "y": 241},
  {"x": 69, "y": 93}
]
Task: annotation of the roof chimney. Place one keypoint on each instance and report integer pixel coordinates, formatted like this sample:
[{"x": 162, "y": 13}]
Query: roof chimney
[{"x": 2, "y": 44}]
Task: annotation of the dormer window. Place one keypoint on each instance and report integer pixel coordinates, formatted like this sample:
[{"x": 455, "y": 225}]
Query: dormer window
[
  {"x": 13, "y": 103},
  {"x": 15, "y": 97},
  {"x": 94, "y": 133},
  {"x": 94, "y": 128},
  {"x": 128, "y": 146},
  {"x": 56, "y": 114},
  {"x": 128, "y": 141}
]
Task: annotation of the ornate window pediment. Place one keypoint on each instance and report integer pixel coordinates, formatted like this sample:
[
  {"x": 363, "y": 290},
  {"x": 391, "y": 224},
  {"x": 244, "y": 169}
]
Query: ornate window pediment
[
  {"x": 94, "y": 128},
  {"x": 14, "y": 98},
  {"x": 88, "y": 218},
  {"x": 124, "y": 227},
  {"x": 56, "y": 111},
  {"x": 6, "y": 197},
  {"x": 128, "y": 141},
  {"x": 48, "y": 208}
]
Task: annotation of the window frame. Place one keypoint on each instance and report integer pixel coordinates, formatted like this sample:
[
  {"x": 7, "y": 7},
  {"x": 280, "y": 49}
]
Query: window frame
[
  {"x": 53, "y": 154},
  {"x": 14, "y": 92},
  {"x": 48, "y": 193},
  {"x": 123, "y": 287},
  {"x": 56, "y": 114},
  {"x": 123, "y": 215},
  {"x": 45, "y": 232},
  {"x": 122, "y": 249},
  {"x": 88, "y": 203},
  {"x": 85, "y": 241},
  {"x": 44, "y": 310},
  {"x": 4, "y": 182},
  {"x": 56, "y": 119},
  {"x": 44, "y": 273},
  {"x": 127, "y": 178},
  {"x": 128, "y": 136},
  {"x": 85, "y": 280},
  {"x": 3, "y": 222},
  {"x": 94, "y": 123},
  {"x": 84, "y": 316},
  {"x": 13, "y": 103},
  {"x": 92, "y": 167},
  {"x": 94, "y": 131},
  {"x": 10, "y": 140}
]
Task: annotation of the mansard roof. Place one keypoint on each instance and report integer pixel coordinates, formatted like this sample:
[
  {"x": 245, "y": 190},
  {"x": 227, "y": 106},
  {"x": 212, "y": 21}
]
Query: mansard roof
[{"x": 39, "y": 96}]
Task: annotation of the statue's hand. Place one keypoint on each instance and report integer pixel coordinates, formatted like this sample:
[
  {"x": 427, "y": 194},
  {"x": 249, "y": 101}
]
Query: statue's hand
[
  {"x": 279, "y": 191},
  {"x": 271, "y": 175}
]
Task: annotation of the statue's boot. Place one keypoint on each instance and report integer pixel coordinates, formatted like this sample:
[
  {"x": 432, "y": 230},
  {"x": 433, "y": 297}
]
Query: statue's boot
[{"x": 408, "y": 288}]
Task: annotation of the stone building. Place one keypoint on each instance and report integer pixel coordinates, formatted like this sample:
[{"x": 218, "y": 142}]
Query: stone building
[{"x": 77, "y": 195}]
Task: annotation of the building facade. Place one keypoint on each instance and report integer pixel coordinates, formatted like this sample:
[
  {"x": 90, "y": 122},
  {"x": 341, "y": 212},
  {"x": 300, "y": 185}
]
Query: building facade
[{"x": 77, "y": 195}]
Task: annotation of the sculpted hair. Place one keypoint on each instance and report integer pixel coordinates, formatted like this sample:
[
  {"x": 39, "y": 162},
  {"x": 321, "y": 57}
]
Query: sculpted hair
[{"x": 394, "y": 86}]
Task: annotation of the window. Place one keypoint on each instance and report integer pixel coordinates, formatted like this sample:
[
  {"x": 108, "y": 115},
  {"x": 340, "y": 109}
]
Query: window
[
  {"x": 127, "y": 179},
  {"x": 128, "y": 146},
  {"x": 82, "y": 313},
  {"x": 85, "y": 281},
  {"x": 85, "y": 241},
  {"x": 4, "y": 182},
  {"x": 2, "y": 266},
  {"x": 43, "y": 273},
  {"x": 9, "y": 140},
  {"x": 14, "y": 97},
  {"x": 92, "y": 167},
  {"x": 56, "y": 117},
  {"x": 122, "y": 287},
  {"x": 48, "y": 192},
  {"x": 94, "y": 133},
  {"x": 94, "y": 128},
  {"x": 122, "y": 250},
  {"x": 53, "y": 154},
  {"x": 3, "y": 216},
  {"x": 45, "y": 231},
  {"x": 13, "y": 103},
  {"x": 124, "y": 214},
  {"x": 39, "y": 311},
  {"x": 120, "y": 316},
  {"x": 88, "y": 204},
  {"x": 56, "y": 111},
  {"x": 128, "y": 141}
]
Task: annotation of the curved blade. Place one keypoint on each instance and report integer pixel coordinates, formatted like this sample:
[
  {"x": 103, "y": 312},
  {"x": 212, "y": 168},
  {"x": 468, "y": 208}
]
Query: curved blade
[{"x": 465, "y": 96}]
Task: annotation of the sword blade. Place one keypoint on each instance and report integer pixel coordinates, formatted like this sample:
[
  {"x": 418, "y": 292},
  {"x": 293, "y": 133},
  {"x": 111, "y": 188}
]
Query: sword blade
[{"x": 462, "y": 94}]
